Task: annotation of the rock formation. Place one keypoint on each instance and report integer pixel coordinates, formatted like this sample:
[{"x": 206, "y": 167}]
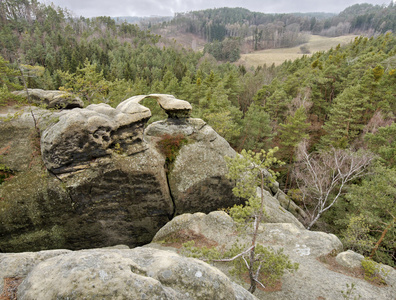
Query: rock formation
[
  {"x": 51, "y": 99},
  {"x": 140, "y": 273},
  {"x": 314, "y": 278},
  {"x": 104, "y": 181}
]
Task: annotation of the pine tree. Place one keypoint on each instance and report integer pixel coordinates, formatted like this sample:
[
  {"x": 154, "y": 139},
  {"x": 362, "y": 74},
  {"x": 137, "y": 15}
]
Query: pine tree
[{"x": 344, "y": 122}]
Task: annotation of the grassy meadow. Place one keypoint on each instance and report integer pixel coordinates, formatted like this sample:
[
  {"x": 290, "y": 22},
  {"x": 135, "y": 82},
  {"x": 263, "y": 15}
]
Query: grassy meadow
[{"x": 278, "y": 56}]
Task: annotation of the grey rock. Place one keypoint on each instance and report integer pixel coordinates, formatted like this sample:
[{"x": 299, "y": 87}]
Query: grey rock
[
  {"x": 173, "y": 107},
  {"x": 118, "y": 200},
  {"x": 19, "y": 265},
  {"x": 212, "y": 226},
  {"x": 18, "y": 136},
  {"x": 197, "y": 177},
  {"x": 313, "y": 280},
  {"x": 275, "y": 213},
  {"x": 290, "y": 206},
  {"x": 52, "y": 99},
  {"x": 107, "y": 183},
  {"x": 82, "y": 135},
  {"x": 349, "y": 259},
  {"x": 140, "y": 273}
]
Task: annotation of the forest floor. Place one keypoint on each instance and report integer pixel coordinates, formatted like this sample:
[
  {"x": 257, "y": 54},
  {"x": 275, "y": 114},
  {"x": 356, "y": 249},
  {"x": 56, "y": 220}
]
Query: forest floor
[{"x": 278, "y": 56}]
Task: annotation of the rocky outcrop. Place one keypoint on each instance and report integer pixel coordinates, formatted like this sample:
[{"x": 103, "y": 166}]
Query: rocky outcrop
[
  {"x": 314, "y": 279},
  {"x": 174, "y": 108},
  {"x": 140, "y": 273},
  {"x": 51, "y": 99},
  {"x": 197, "y": 176},
  {"x": 105, "y": 180},
  {"x": 82, "y": 135}
]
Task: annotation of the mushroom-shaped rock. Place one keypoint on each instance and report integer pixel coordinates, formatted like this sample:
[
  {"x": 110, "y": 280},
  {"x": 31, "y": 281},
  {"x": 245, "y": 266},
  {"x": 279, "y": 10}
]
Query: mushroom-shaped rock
[
  {"x": 52, "y": 99},
  {"x": 85, "y": 134},
  {"x": 174, "y": 108}
]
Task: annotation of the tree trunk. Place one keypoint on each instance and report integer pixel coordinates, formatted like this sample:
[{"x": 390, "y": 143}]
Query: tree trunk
[{"x": 381, "y": 238}]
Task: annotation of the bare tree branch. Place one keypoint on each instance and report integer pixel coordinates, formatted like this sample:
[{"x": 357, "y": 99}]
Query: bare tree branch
[{"x": 322, "y": 176}]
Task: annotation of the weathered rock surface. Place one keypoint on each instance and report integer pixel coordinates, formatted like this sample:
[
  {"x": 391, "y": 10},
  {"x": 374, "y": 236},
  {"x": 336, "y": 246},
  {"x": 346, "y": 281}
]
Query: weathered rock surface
[
  {"x": 19, "y": 265},
  {"x": 82, "y": 135},
  {"x": 349, "y": 259},
  {"x": 124, "y": 199},
  {"x": 313, "y": 280},
  {"x": 140, "y": 273},
  {"x": 104, "y": 181},
  {"x": 197, "y": 177},
  {"x": 52, "y": 99},
  {"x": 275, "y": 213},
  {"x": 173, "y": 107},
  {"x": 18, "y": 136}
]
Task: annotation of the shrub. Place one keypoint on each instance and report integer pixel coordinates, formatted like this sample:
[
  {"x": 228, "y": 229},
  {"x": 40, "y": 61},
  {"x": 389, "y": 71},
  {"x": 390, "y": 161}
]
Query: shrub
[{"x": 169, "y": 145}]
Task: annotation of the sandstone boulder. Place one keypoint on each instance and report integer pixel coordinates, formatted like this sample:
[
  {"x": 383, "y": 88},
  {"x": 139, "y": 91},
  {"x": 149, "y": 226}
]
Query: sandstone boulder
[
  {"x": 140, "y": 273},
  {"x": 275, "y": 213},
  {"x": 119, "y": 200},
  {"x": 52, "y": 99},
  {"x": 19, "y": 141},
  {"x": 19, "y": 265},
  {"x": 197, "y": 176},
  {"x": 314, "y": 278},
  {"x": 174, "y": 108},
  {"x": 349, "y": 259},
  {"x": 82, "y": 135},
  {"x": 104, "y": 180}
]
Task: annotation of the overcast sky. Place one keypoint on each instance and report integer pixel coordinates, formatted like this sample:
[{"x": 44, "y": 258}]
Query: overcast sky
[{"x": 113, "y": 8}]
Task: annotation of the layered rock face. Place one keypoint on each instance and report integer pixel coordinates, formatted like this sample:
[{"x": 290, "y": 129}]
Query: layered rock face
[{"x": 104, "y": 181}]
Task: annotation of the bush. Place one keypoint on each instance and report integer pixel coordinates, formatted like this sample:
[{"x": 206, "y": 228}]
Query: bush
[{"x": 169, "y": 145}]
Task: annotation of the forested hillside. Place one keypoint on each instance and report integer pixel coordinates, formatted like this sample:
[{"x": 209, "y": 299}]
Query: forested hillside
[
  {"x": 342, "y": 102},
  {"x": 230, "y": 31}
]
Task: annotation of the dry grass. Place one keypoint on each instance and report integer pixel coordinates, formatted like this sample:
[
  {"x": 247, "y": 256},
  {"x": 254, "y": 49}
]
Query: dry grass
[
  {"x": 278, "y": 56},
  {"x": 330, "y": 262}
]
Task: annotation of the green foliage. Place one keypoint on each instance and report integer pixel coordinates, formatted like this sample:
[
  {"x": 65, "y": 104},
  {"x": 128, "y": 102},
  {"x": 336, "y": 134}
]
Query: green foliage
[
  {"x": 257, "y": 130},
  {"x": 272, "y": 264},
  {"x": 89, "y": 84},
  {"x": 345, "y": 117},
  {"x": 249, "y": 170},
  {"x": 204, "y": 253},
  {"x": 5, "y": 172},
  {"x": 169, "y": 145},
  {"x": 383, "y": 143},
  {"x": 227, "y": 50},
  {"x": 357, "y": 235},
  {"x": 350, "y": 291},
  {"x": 376, "y": 221},
  {"x": 372, "y": 270},
  {"x": 7, "y": 75}
]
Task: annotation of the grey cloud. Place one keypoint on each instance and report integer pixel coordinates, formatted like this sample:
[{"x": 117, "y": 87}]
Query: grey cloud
[{"x": 90, "y": 8}]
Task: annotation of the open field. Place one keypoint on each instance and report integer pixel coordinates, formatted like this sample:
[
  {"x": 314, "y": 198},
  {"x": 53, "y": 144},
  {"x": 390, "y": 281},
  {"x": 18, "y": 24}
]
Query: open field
[{"x": 278, "y": 56}]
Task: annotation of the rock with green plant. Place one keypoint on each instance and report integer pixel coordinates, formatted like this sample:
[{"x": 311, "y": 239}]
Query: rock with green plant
[
  {"x": 98, "y": 177},
  {"x": 313, "y": 279},
  {"x": 197, "y": 174}
]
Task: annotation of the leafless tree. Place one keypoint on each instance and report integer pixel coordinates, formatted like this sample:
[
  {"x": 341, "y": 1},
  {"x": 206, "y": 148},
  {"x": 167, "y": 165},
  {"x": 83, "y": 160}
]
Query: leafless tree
[{"x": 322, "y": 176}]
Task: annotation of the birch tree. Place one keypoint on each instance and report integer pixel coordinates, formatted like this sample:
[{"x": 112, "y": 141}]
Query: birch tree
[{"x": 323, "y": 176}]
